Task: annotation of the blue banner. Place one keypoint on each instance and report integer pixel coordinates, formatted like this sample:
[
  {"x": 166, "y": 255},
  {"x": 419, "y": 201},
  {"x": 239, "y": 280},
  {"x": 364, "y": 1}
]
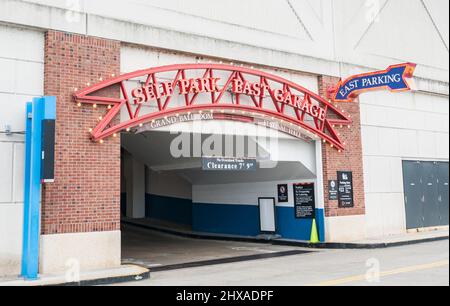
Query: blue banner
[{"x": 393, "y": 79}]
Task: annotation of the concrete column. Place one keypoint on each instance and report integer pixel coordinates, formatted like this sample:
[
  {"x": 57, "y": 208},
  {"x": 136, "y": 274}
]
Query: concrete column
[{"x": 135, "y": 187}]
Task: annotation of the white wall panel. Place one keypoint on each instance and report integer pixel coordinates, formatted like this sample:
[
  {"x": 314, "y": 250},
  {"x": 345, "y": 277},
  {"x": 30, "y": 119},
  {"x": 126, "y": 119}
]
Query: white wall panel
[
  {"x": 396, "y": 127},
  {"x": 15, "y": 116},
  {"x": 29, "y": 78},
  {"x": 19, "y": 44},
  {"x": 19, "y": 171},
  {"x": 11, "y": 222},
  {"x": 243, "y": 193},
  {"x": 168, "y": 185},
  {"x": 21, "y": 78},
  {"x": 6, "y": 164}
]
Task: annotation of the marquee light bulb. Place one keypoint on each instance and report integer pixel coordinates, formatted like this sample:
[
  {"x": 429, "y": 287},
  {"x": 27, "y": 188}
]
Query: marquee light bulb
[
  {"x": 114, "y": 135},
  {"x": 94, "y": 106},
  {"x": 101, "y": 141},
  {"x": 79, "y": 104},
  {"x": 128, "y": 129},
  {"x": 90, "y": 130},
  {"x": 109, "y": 106},
  {"x": 88, "y": 84},
  {"x": 100, "y": 117},
  {"x": 141, "y": 125}
]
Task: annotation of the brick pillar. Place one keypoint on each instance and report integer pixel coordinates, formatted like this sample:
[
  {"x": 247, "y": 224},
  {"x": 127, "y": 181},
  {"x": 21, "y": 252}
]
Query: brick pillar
[
  {"x": 85, "y": 196},
  {"x": 351, "y": 159}
]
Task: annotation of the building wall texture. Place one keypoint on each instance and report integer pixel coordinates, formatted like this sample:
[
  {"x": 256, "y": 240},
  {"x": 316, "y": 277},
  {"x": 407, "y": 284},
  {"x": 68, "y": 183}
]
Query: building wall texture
[
  {"x": 21, "y": 78},
  {"x": 86, "y": 194},
  {"x": 80, "y": 42}
]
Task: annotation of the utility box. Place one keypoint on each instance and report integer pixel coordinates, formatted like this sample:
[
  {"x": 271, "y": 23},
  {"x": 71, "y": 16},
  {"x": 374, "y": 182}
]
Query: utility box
[{"x": 48, "y": 151}]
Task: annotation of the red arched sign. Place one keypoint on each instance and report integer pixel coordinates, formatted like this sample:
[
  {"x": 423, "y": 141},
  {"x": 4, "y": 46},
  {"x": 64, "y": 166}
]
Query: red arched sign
[{"x": 226, "y": 92}]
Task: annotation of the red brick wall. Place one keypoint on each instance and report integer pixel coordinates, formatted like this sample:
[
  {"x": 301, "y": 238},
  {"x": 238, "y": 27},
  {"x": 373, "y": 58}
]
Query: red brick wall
[
  {"x": 86, "y": 194},
  {"x": 351, "y": 159}
]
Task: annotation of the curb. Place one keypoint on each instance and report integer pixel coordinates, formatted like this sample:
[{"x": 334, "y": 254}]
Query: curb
[
  {"x": 304, "y": 244},
  {"x": 105, "y": 281}
]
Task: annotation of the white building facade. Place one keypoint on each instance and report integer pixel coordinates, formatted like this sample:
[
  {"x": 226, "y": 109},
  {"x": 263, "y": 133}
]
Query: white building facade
[{"x": 404, "y": 136}]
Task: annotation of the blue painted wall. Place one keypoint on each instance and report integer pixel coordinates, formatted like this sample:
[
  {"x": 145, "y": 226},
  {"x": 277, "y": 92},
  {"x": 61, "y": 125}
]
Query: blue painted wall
[
  {"x": 298, "y": 229},
  {"x": 243, "y": 220},
  {"x": 240, "y": 220},
  {"x": 168, "y": 209}
]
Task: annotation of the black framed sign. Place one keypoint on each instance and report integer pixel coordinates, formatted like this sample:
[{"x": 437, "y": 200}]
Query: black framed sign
[
  {"x": 333, "y": 190},
  {"x": 283, "y": 195},
  {"x": 345, "y": 189},
  {"x": 304, "y": 201}
]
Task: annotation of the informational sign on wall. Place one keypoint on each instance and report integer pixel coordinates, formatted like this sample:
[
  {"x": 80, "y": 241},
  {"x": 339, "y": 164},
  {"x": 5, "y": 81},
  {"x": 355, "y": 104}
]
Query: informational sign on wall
[
  {"x": 333, "y": 190},
  {"x": 228, "y": 164},
  {"x": 283, "y": 196},
  {"x": 304, "y": 201},
  {"x": 345, "y": 189}
]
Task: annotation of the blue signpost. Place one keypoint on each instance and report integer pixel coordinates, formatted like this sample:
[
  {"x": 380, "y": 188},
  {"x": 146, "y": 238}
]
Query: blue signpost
[{"x": 37, "y": 111}]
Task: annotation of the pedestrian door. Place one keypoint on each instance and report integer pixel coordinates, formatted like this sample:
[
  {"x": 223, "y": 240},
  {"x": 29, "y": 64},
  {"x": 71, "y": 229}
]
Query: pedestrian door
[{"x": 426, "y": 193}]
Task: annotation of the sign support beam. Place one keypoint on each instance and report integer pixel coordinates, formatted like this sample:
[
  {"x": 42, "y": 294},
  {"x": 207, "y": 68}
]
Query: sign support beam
[{"x": 37, "y": 111}]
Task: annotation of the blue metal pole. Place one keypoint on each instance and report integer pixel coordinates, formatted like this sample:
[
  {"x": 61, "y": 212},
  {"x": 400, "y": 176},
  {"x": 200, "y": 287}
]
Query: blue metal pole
[
  {"x": 26, "y": 204},
  {"x": 43, "y": 108},
  {"x": 35, "y": 192}
]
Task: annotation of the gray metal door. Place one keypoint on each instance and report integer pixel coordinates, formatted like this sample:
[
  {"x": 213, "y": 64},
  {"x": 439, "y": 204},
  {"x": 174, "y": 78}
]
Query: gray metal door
[
  {"x": 430, "y": 196},
  {"x": 442, "y": 176},
  {"x": 426, "y": 193},
  {"x": 413, "y": 194}
]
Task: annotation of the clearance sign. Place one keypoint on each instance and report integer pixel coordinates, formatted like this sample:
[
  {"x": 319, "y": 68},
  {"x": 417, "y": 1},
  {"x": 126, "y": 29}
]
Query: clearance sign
[{"x": 394, "y": 79}]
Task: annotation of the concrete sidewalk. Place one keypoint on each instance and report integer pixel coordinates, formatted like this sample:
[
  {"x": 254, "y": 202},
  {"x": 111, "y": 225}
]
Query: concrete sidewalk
[
  {"x": 125, "y": 273},
  {"x": 408, "y": 238},
  {"x": 373, "y": 243}
]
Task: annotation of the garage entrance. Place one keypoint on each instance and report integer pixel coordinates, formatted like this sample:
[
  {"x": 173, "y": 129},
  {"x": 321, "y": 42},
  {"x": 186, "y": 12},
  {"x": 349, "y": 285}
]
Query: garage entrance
[
  {"x": 426, "y": 193},
  {"x": 168, "y": 199},
  {"x": 174, "y": 118}
]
